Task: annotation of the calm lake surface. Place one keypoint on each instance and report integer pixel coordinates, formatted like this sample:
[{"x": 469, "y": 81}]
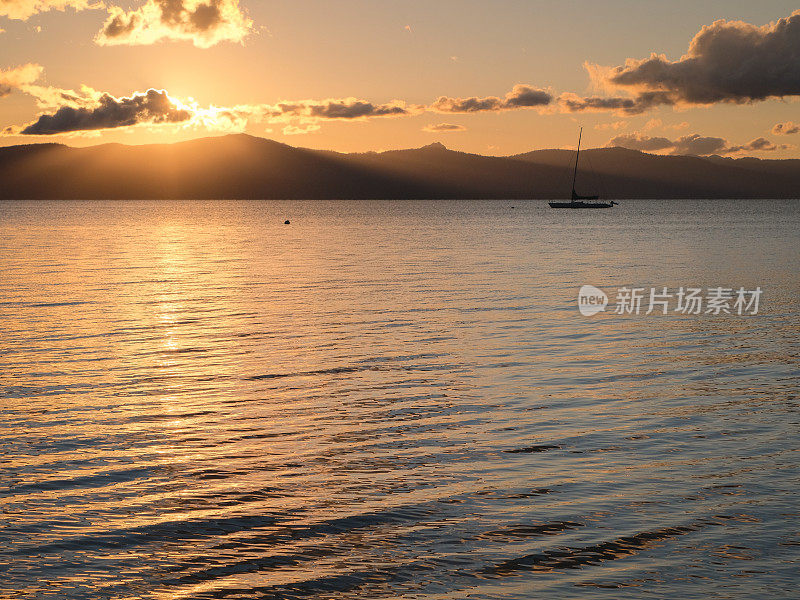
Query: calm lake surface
[{"x": 395, "y": 400}]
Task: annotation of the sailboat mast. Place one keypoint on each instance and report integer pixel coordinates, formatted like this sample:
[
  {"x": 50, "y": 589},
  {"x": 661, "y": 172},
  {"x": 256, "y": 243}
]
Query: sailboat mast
[{"x": 577, "y": 155}]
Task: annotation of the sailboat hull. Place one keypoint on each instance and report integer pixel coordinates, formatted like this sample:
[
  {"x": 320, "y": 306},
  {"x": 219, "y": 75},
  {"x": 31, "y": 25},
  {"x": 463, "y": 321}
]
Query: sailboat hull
[
  {"x": 579, "y": 201},
  {"x": 579, "y": 204}
]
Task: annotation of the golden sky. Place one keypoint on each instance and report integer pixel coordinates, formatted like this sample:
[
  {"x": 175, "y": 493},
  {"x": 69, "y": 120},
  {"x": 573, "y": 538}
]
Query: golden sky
[{"x": 502, "y": 77}]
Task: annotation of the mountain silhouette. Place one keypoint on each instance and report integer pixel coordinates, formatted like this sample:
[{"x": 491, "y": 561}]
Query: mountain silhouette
[{"x": 243, "y": 166}]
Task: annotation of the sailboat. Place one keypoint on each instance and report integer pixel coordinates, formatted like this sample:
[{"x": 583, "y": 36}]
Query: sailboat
[{"x": 579, "y": 201}]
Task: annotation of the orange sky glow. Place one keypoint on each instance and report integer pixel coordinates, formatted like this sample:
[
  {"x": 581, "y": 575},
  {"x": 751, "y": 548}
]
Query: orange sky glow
[{"x": 504, "y": 78}]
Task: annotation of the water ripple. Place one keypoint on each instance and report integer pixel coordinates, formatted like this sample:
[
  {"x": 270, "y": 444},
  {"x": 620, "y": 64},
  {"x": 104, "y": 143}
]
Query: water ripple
[{"x": 393, "y": 400}]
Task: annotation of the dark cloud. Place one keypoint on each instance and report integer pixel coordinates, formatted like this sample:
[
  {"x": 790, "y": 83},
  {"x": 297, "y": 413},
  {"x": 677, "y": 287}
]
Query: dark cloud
[
  {"x": 787, "y": 128},
  {"x": 623, "y": 105},
  {"x": 759, "y": 145},
  {"x": 727, "y": 61},
  {"x": 120, "y": 25},
  {"x": 634, "y": 141},
  {"x": 334, "y": 109},
  {"x": 206, "y": 16},
  {"x": 466, "y": 105},
  {"x": 443, "y": 128},
  {"x": 522, "y": 96},
  {"x": 574, "y": 103},
  {"x": 694, "y": 144},
  {"x": 700, "y": 145},
  {"x": 525, "y": 96},
  {"x": 154, "y": 106},
  {"x": 355, "y": 110},
  {"x": 203, "y": 22}
]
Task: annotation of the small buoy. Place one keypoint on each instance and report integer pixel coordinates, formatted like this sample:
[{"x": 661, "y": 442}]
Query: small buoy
[{"x": 287, "y": 222}]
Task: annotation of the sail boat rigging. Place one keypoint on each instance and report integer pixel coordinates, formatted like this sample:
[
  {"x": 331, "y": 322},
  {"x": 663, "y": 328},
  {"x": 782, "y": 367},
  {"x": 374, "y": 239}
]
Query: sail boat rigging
[{"x": 577, "y": 200}]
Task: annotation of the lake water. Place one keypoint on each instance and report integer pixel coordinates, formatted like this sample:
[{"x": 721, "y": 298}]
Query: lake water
[{"x": 395, "y": 400}]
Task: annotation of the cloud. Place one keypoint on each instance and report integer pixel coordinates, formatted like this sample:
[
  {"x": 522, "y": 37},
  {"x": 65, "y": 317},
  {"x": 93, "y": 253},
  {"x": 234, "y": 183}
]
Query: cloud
[
  {"x": 153, "y": 107},
  {"x": 635, "y": 141},
  {"x": 205, "y": 23},
  {"x": 616, "y": 126},
  {"x": 298, "y": 116},
  {"x": 694, "y": 144},
  {"x": 525, "y": 96},
  {"x": 700, "y": 145},
  {"x": 464, "y": 105},
  {"x": 727, "y": 61},
  {"x": 759, "y": 145},
  {"x": 49, "y": 98},
  {"x": 24, "y": 9},
  {"x": 522, "y": 96},
  {"x": 653, "y": 124},
  {"x": 622, "y": 105},
  {"x": 67, "y": 111},
  {"x": 787, "y": 128},
  {"x": 659, "y": 124},
  {"x": 334, "y": 109},
  {"x": 443, "y": 128},
  {"x": 18, "y": 77},
  {"x": 300, "y": 130}
]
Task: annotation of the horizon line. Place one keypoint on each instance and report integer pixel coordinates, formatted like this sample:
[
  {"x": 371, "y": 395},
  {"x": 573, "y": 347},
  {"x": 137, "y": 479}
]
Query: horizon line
[{"x": 435, "y": 144}]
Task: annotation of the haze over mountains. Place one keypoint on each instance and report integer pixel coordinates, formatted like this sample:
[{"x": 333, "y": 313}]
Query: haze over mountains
[{"x": 242, "y": 166}]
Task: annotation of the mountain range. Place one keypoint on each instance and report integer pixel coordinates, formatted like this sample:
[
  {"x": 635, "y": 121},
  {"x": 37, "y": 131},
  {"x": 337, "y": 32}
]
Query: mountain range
[{"x": 243, "y": 166}]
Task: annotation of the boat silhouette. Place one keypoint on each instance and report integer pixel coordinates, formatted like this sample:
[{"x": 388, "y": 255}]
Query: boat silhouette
[{"x": 579, "y": 201}]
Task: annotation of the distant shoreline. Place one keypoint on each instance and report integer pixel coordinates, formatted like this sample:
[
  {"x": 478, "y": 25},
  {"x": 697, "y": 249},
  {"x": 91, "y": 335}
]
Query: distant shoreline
[{"x": 246, "y": 167}]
